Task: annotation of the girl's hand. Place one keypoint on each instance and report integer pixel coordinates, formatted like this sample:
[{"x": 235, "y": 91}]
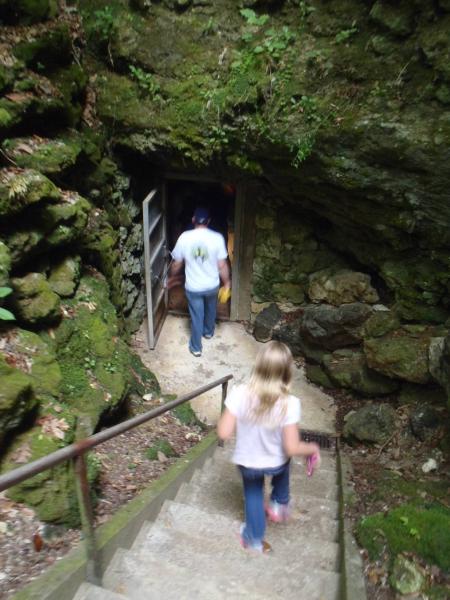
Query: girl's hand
[{"x": 313, "y": 460}]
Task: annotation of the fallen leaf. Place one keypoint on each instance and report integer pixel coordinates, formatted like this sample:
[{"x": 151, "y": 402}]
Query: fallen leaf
[
  {"x": 38, "y": 542},
  {"x": 162, "y": 457},
  {"x": 53, "y": 427},
  {"x": 22, "y": 454}
]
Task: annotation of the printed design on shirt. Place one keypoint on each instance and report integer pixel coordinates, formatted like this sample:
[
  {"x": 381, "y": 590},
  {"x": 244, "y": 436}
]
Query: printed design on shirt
[{"x": 200, "y": 253}]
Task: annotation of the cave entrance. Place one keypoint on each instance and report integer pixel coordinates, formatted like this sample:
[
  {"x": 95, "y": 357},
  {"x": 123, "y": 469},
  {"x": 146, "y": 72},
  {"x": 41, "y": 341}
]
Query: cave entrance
[{"x": 167, "y": 213}]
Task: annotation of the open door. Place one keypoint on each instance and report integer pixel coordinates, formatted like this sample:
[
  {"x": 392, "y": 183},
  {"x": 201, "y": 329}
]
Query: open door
[{"x": 156, "y": 259}]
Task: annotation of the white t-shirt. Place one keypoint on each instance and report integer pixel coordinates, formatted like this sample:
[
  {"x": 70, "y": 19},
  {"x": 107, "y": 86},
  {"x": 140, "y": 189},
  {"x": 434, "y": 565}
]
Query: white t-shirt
[
  {"x": 260, "y": 445},
  {"x": 200, "y": 249}
]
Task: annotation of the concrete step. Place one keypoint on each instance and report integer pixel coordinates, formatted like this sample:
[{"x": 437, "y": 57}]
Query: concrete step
[
  {"x": 228, "y": 500},
  {"x": 153, "y": 577},
  {"x": 326, "y": 477},
  {"x": 322, "y": 554},
  {"x": 88, "y": 591},
  {"x": 303, "y": 524},
  {"x": 308, "y": 569},
  {"x": 328, "y": 458}
]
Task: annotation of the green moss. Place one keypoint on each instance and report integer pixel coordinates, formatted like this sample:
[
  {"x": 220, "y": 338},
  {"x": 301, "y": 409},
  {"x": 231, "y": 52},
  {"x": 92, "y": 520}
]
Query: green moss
[
  {"x": 51, "y": 49},
  {"x": 17, "y": 397},
  {"x": 21, "y": 188},
  {"x": 186, "y": 415},
  {"x": 48, "y": 156},
  {"x": 5, "y": 264},
  {"x": 160, "y": 445},
  {"x": 408, "y": 528}
]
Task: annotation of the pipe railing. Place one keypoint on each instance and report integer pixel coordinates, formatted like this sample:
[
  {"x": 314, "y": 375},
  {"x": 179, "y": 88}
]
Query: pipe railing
[{"x": 77, "y": 451}]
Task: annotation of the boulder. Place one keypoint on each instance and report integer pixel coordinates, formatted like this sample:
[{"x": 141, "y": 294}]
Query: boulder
[
  {"x": 65, "y": 275},
  {"x": 380, "y": 322},
  {"x": 5, "y": 264},
  {"x": 289, "y": 333},
  {"x": 426, "y": 422},
  {"x": 401, "y": 354},
  {"x": 439, "y": 360},
  {"x": 17, "y": 398},
  {"x": 398, "y": 20},
  {"x": 265, "y": 322},
  {"x": 317, "y": 375},
  {"x": 20, "y": 188},
  {"x": 408, "y": 576},
  {"x": 34, "y": 301},
  {"x": 341, "y": 288},
  {"x": 371, "y": 423},
  {"x": 348, "y": 369},
  {"x": 334, "y": 327}
]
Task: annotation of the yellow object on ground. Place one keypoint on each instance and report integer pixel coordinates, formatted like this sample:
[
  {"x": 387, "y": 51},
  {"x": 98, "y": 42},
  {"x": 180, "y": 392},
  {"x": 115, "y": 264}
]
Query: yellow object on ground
[{"x": 224, "y": 295}]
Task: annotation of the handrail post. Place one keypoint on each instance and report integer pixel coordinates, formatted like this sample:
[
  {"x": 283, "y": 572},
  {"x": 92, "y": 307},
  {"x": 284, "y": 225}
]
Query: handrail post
[
  {"x": 93, "y": 567},
  {"x": 222, "y": 402}
]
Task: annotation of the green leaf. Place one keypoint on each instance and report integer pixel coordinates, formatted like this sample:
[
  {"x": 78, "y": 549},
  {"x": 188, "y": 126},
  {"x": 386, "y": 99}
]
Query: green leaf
[
  {"x": 5, "y": 291},
  {"x": 6, "y": 315},
  {"x": 258, "y": 49}
]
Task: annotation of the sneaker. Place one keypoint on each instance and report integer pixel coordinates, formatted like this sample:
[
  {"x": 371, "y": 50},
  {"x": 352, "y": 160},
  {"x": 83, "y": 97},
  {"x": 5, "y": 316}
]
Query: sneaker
[
  {"x": 195, "y": 352},
  {"x": 276, "y": 512},
  {"x": 260, "y": 548},
  {"x": 207, "y": 336}
]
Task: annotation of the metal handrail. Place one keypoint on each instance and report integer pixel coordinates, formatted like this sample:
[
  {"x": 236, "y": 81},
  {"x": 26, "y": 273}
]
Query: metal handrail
[{"x": 77, "y": 451}]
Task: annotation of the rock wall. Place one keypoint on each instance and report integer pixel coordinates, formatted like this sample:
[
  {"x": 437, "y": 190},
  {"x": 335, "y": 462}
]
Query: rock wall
[{"x": 69, "y": 231}]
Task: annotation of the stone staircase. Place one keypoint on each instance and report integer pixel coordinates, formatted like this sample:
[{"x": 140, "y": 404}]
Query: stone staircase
[{"x": 192, "y": 550}]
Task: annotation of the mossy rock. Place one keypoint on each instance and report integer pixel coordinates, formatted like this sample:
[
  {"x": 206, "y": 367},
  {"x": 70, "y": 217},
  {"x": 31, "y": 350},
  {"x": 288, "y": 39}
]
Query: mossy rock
[
  {"x": 341, "y": 287},
  {"x": 143, "y": 381},
  {"x": 54, "y": 225},
  {"x": 34, "y": 302},
  {"x": 160, "y": 446},
  {"x": 65, "y": 275},
  {"x": 50, "y": 157},
  {"x": 348, "y": 369},
  {"x": 408, "y": 528},
  {"x": 316, "y": 374},
  {"x": 373, "y": 423},
  {"x": 400, "y": 354},
  {"x": 17, "y": 397},
  {"x": 37, "y": 360},
  {"x": 185, "y": 414},
  {"x": 21, "y": 188},
  {"x": 51, "y": 48},
  {"x": 28, "y": 11},
  {"x": 5, "y": 264},
  {"x": 380, "y": 323},
  {"x": 52, "y": 493}
]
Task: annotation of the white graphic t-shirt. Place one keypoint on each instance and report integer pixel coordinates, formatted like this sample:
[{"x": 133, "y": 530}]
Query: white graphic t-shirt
[
  {"x": 200, "y": 249},
  {"x": 259, "y": 445}
]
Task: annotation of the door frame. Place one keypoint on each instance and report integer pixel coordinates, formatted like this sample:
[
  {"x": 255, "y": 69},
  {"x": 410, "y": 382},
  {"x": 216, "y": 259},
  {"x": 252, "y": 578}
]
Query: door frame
[{"x": 244, "y": 225}]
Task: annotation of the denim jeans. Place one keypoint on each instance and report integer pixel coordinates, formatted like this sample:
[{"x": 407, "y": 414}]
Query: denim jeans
[
  {"x": 202, "y": 309},
  {"x": 253, "y": 480}
]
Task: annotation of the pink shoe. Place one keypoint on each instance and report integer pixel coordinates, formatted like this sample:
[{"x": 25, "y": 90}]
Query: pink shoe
[
  {"x": 311, "y": 463},
  {"x": 276, "y": 512}
]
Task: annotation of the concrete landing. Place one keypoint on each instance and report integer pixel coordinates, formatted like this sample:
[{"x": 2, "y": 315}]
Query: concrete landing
[{"x": 231, "y": 350}]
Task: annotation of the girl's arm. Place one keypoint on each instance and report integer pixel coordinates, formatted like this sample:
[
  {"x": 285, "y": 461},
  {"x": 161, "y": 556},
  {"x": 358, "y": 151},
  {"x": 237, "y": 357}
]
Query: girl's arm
[
  {"x": 293, "y": 446},
  {"x": 226, "y": 425}
]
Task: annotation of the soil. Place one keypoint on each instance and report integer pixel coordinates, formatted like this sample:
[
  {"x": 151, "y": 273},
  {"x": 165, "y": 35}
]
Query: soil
[
  {"x": 28, "y": 546},
  {"x": 402, "y": 455}
]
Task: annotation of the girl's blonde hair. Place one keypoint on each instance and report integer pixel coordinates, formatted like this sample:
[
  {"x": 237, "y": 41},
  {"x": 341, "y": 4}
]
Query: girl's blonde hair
[{"x": 271, "y": 377}]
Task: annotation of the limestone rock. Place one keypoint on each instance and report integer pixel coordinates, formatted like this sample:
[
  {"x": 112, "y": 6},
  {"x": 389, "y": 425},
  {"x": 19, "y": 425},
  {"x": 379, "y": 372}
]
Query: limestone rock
[
  {"x": 5, "y": 264},
  {"x": 34, "y": 301},
  {"x": 17, "y": 398},
  {"x": 289, "y": 333},
  {"x": 371, "y": 423},
  {"x": 407, "y": 577},
  {"x": 316, "y": 374},
  {"x": 425, "y": 421},
  {"x": 401, "y": 354},
  {"x": 64, "y": 276},
  {"x": 381, "y": 322},
  {"x": 348, "y": 369},
  {"x": 398, "y": 20},
  {"x": 22, "y": 187},
  {"x": 265, "y": 322},
  {"x": 341, "y": 288},
  {"x": 334, "y": 327},
  {"x": 439, "y": 359}
]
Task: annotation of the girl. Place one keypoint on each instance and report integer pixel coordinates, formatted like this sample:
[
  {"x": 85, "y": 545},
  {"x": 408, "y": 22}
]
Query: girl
[{"x": 265, "y": 418}]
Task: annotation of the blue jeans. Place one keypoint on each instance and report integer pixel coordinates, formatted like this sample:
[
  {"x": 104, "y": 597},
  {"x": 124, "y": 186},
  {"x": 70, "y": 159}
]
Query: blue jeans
[
  {"x": 202, "y": 309},
  {"x": 253, "y": 480}
]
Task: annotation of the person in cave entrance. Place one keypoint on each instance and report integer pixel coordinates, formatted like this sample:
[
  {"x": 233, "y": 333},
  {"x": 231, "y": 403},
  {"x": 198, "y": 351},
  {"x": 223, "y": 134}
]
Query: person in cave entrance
[{"x": 204, "y": 255}]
